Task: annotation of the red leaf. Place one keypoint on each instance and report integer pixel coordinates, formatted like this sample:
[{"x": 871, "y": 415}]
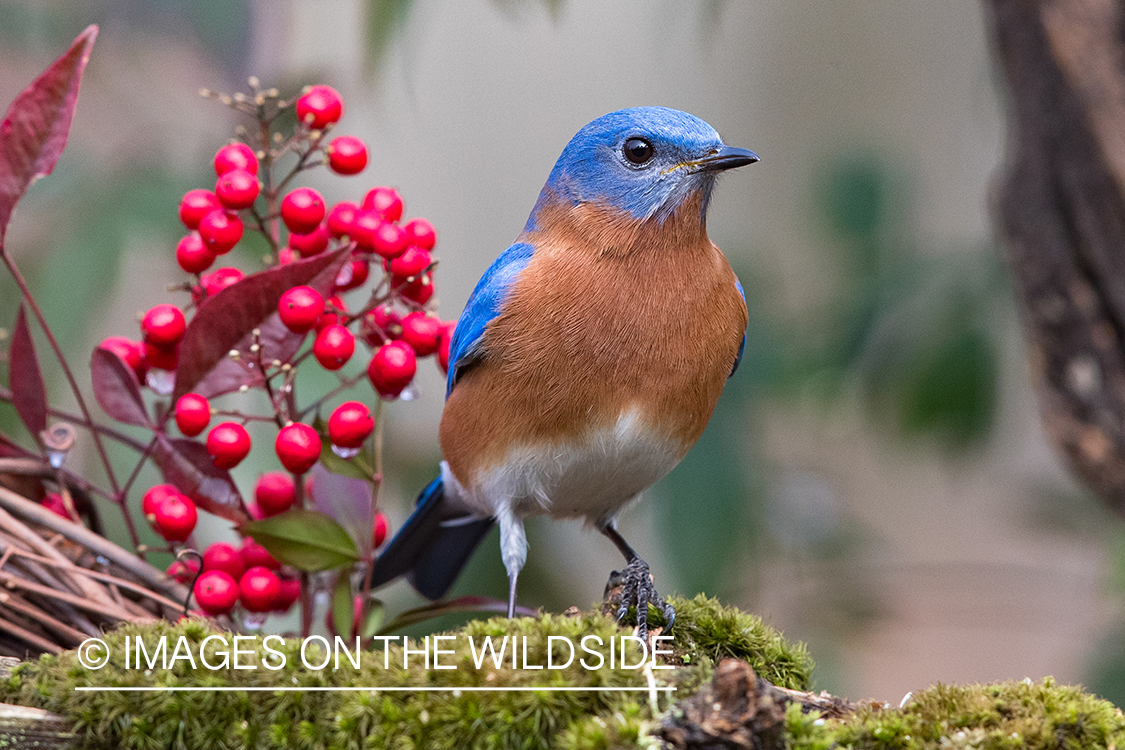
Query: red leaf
[
  {"x": 226, "y": 321},
  {"x": 348, "y": 501},
  {"x": 33, "y": 133},
  {"x": 8, "y": 449},
  {"x": 185, "y": 463},
  {"x": 116, "y": 388},
  {"x": 29, "y": 395}
]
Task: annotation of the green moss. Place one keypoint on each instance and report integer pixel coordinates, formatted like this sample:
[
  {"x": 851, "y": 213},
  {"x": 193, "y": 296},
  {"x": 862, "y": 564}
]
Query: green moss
[
  {"x": 1003, "y": 716},
  {"x": 267, "y": 718}
]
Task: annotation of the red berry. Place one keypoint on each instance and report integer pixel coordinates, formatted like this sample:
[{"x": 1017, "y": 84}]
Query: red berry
[
  {"x": 154, "y": 497},
  {"x": 420, "y": 233},
  {"x": 413, "y": 261},
  {"x": 298, "y": 447},
  {"x": 162, "y": 357},
  {"x": 300, "y": 308},
  {"x": 237, "y": 189},
  {"x": 195, "y": 205},
  {"x": 175, "y": 517},
  {"x": 220, "y": 279},
  {"x": 447, "y": 329},
  {"x": 365, "y": 224},
  {"x": 235, "y": 156},
  {"x": 131, "y": 352},
  {"x": 259, "y": 588},
  {"x": 379, "y": 531},
  {"x": 220, "y": 230},
  {"x": 354, "y": 273},
  {"x": 302, "y": 210},
  {"x": 392, "y": 368},
  {"x": 384, "y": 201},
  {"x": 183, "y": 571},
  {"x": 350, "y": 424},
  {"x": 54, "y": 503},
  {"x": 319, "y": 106},
  {"x": 341, "y": 218},
  {"x": 163, "y": 325},
  {"x": 254, "y": 554},
  {"x": 216, "y": 592},
  {"x": 275, "y": 493},
  {"x": 333, "y": 347},
  {"x": 286, "y": 255},
  {"x": 313, "y": 243},
  {"x": 381, "y": 324},
  {"x": 228, "y": 443},
  {"x": 193, "y": 414},
  {"x": 419, "y": 290},
  {"x": 389, "y": 240},
  {"x": 224, "y": 557},
  {"x": 334, "y": 311},
  {"x": 422, "y": 332},
  {"x": 289, "y": 594},
  {"x": 192, "y": 254},
  {"x": 347, "y": 155}
]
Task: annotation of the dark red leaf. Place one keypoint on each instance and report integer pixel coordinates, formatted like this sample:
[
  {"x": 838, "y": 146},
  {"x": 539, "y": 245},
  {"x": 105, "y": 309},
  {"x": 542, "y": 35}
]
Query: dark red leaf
[
  {"x": 348, "y": 501},
  {"x": 29, "y": 395},
  {"x": 33, "y": 133},
  {"x": 185, "y": 463},
  {"x": 8, "y": 449},
  {"x": 116, "y": 388},
  {"x": 226, "y": 321}
]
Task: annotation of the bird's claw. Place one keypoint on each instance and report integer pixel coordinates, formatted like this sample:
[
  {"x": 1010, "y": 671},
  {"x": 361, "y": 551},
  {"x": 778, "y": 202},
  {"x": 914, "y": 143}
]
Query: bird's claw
[{"x": 633, "y": 587}]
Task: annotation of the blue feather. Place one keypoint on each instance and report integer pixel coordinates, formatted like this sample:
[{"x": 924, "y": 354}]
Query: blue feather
[
  {"x": 484, "y": 304},
  {"x": 741, "y": 346},
  {"x": 433, "y": 544}
]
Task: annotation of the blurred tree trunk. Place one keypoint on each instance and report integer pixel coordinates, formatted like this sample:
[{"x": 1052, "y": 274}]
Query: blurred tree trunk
[{"x": 1060, "y": 209}]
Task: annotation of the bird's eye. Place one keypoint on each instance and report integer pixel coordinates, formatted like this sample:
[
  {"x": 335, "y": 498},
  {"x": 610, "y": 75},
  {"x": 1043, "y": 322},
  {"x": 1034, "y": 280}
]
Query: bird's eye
[{"x": 638, "y": 150}]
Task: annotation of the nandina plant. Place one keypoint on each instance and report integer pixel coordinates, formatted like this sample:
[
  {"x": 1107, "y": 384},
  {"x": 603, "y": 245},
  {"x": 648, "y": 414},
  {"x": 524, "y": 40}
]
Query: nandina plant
[{"x": 347, "y": 288}]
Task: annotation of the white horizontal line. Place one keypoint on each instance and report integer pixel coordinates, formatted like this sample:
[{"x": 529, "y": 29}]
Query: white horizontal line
[{"x": 353, "y": 689}]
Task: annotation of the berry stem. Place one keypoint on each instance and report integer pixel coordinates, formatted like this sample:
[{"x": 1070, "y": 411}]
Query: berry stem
[{"x": 86, "y": 418}]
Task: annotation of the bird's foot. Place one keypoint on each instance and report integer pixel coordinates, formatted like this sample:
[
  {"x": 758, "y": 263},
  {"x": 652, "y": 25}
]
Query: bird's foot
[{"x": 633, "y": 587}]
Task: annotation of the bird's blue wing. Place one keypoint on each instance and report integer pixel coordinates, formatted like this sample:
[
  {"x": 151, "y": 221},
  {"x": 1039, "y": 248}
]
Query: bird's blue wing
[
  {"x": 741, "y": 346},
  {"x": 484, "y": 304}
]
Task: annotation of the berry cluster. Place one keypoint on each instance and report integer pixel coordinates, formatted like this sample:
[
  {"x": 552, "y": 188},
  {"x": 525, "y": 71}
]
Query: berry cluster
[{"x": 389, "y": 311}]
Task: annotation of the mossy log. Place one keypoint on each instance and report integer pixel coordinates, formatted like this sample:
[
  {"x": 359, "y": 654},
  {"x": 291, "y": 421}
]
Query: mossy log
[{"x": 737, "y": 684}]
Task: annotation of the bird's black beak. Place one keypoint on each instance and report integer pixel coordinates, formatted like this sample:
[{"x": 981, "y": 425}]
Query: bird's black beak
[{"x": 727, "y": 157}]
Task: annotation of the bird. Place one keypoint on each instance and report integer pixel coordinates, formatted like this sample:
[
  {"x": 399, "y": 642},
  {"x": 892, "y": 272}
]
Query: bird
[{"x": 589, "y": 357}]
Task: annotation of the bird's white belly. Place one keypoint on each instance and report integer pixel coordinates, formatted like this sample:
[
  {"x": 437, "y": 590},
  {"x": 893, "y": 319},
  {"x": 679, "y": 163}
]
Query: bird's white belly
[{"x": 593, "y": 477}]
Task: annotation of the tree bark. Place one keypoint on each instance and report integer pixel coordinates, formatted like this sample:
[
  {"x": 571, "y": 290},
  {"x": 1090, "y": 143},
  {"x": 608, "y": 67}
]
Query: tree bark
[{"x": 1059, "y": 205}]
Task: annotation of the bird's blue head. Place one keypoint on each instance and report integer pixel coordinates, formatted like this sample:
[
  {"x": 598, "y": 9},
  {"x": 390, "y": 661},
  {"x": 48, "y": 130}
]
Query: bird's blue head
[{"x": 644, "y": 160}]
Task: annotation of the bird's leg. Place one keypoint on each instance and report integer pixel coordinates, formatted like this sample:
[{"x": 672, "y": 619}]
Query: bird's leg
[
  {"x": 512, "y": 594},
  {"x": 635, "y": 581},
  {"x": 513, "y": 550}
]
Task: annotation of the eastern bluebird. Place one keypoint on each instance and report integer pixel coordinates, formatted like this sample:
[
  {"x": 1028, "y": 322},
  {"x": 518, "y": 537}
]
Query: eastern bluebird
[{"x": 590, "y": 355}]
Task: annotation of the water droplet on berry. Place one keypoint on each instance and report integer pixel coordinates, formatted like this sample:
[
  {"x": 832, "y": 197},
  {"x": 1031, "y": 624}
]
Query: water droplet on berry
[
  {"x": 254, "y": 620},
  {"x": 409, "y": 393},
  {"x": 343, "y": 452},
  {"x": 161, "y": 381}
]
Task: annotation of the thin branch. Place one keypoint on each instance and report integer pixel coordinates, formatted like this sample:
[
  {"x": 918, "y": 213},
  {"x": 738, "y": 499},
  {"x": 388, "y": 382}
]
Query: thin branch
[
  {"x": 96, "y": 544},
  {"x": 6, "y": 395},
  {"x": 87, "y": 419}
]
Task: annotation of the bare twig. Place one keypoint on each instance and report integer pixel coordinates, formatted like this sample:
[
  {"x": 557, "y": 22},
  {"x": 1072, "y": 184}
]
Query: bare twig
[{"x": 97, "y": 544}]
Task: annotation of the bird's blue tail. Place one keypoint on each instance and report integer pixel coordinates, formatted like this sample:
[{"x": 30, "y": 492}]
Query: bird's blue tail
[{"x": 433, "y": 545}]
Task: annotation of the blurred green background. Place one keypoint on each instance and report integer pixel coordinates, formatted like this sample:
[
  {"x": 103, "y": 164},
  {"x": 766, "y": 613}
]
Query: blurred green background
[{"x": 874, "y": 481}]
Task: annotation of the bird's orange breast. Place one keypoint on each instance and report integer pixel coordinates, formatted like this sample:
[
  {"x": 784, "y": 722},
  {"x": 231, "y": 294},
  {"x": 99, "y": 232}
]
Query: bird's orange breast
[{"x": 610, "y": 315}]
